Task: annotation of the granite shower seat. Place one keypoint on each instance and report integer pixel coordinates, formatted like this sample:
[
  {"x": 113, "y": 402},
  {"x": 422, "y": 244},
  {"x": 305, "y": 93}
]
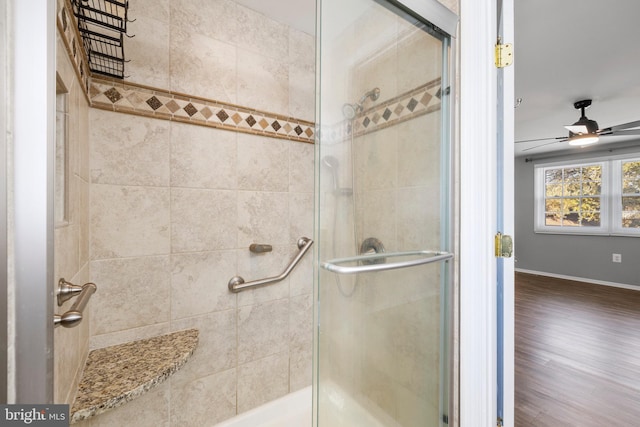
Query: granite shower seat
[{"x": 118, "y": 374}]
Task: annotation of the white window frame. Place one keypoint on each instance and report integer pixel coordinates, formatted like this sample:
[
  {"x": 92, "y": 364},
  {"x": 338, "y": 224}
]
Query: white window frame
[
  {"x": 616, "y": 203},
  {"x": 611, "y": 197}
]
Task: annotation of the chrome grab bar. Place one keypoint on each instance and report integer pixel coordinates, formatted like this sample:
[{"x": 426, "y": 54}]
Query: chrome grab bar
[
  {"x": 237, "y": 283},
  {"x": 66, "y": 291},
  {"x": 368, "y": 261}
]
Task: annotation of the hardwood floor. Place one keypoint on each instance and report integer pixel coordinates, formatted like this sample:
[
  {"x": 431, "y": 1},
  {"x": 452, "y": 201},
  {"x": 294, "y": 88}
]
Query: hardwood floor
[{"x": 577, "y": 354}]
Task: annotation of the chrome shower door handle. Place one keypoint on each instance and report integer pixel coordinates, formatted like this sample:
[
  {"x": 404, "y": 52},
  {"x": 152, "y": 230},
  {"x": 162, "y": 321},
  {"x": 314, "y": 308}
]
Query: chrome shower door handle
[{"x": 366, "y": 263}]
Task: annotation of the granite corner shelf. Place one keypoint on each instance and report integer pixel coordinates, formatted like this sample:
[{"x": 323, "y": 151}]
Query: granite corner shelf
[{"x": 118, "y": 374}]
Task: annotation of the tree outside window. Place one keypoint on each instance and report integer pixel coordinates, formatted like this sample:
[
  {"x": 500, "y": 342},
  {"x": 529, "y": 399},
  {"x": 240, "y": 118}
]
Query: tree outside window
[
  {"x": 573, "y": 196},
  {"x": 598, "y": 196},
  {"x": 631, "y": 194}
]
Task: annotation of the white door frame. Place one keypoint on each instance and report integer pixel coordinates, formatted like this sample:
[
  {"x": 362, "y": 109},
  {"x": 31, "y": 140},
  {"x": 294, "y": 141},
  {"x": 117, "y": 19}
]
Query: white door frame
[
  {"x": 478, "y": 118},
  {"x": 478, "y": 213},
  {"x": 5, "y": 88},
  {"x": 33, "y": 26},
  {"x": 508, "y": 213}
]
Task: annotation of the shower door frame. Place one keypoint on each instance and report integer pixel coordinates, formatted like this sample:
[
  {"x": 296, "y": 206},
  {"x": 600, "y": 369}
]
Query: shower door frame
[
  {"x": 479, "y": 173},
  {"x": 447, "y": 22}
]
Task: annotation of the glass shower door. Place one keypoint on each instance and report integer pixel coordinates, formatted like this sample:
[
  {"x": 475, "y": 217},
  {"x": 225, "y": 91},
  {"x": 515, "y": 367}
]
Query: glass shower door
[{"x": 383, "y": 218}]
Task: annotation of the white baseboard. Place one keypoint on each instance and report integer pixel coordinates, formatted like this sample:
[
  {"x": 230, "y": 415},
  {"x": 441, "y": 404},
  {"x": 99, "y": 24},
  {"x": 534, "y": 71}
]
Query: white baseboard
[{"x": 580, "y": 279}]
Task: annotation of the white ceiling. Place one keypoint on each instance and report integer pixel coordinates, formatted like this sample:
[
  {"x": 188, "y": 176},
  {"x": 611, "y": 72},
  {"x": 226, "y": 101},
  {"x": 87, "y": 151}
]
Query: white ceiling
[
  {"x": 565, "y": 51},
  {"x": 570, "y": 50}
]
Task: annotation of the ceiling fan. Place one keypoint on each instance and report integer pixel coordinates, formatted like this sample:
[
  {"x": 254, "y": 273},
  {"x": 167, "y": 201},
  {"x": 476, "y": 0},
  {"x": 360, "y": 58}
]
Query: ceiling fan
[{"x": 586, "y": 131}]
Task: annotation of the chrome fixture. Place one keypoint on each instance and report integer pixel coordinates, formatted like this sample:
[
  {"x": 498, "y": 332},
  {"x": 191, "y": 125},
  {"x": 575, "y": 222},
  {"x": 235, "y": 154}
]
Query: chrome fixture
[
  {"x": 369, "y": 264},
  {"x": 237, "y": 283},
  {"x": 259, "y": 248},
  {"x": 371, "y": 246},
  {"x": 66, "y": 291},
  {"x": 350, "y": 111}
]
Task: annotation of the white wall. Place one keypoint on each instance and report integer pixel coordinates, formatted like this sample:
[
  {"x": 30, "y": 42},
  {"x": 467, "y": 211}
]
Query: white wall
[{"x": 587, "y": 257}]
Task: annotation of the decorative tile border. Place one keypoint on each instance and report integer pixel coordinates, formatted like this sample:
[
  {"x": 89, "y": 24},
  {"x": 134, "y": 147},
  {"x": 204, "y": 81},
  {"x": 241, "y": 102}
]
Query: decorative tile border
[
  {"x": 116, "y": 95},
  {"x": 421, "y": 100},
  {"x": 131, "y": 98},
  {"x": 424, "y": 99}
]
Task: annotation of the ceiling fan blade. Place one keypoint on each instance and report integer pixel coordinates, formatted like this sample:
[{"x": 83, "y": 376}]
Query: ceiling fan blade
[
  {"x": 622, "y": 133},
  {"x": 620, "y": 127},
  {"x": 555, "y": 139},
  {"x": 548, "y": 143}
]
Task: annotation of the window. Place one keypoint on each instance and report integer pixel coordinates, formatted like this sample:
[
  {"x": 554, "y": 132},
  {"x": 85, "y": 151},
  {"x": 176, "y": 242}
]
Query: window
[
  {"x": 627, "y": 204},
  {"x": 596, "y": 197}
]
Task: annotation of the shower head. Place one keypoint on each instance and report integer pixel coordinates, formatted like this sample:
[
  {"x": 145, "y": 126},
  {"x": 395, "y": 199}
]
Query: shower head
[
  {"x": 350, "y": 111},
  {"x": 374, "y": 94}
]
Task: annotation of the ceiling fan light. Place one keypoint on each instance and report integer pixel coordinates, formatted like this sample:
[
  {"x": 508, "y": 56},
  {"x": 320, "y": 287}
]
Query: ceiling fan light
[
  {"x": 583, "y": 125},
  {"x": 584, "y": 139},
  {"x": 577, "y": 129},
  {"x": 592, "y": 126}
]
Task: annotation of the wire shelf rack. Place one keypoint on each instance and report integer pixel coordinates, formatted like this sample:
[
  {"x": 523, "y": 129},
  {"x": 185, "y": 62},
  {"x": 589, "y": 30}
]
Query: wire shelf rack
[
  {"x": 111, "y": 14},
  {"x": 102, "y": 24}
]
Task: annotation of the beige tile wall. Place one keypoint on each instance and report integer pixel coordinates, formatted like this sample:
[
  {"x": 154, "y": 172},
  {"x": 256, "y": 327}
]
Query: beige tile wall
[
  {"x": 71, "y": 234},
  {"x": 162, "y": 256},
  {"x": 174, "y": 208},
  {"x": 224, "y": 51}
]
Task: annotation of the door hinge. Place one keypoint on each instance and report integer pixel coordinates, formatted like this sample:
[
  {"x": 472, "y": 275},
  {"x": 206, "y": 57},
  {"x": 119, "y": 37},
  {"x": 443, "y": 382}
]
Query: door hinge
[
  {"x": 504, "y": 245},
  {"x": 504, "y": 54}
]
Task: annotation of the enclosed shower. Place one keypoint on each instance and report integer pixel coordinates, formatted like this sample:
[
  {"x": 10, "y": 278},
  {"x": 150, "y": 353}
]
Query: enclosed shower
[
  {"x": 383, "y": 218},
  {"x": 176, "y": 177}
]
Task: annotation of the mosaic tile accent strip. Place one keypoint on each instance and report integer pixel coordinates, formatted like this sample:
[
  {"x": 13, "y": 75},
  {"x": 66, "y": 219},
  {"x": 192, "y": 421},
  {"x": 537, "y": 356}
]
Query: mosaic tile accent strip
[
  {"x": 115, "y": 95},
  {"x": 422, "y": 100}
]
